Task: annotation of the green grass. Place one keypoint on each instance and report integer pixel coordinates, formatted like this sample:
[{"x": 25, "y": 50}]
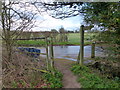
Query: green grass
[
  {"x": 31, "y": 42},
  {"x": 73, "y": 39},
  {"x": 89, "y": 79}
]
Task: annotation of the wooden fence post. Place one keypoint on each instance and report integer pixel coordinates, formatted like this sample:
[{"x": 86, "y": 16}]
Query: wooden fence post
[
  {"x": 51, "y": 53},
  {"x": 47, "y": 56},
  {"x": 93, "y": 50},
  {"x": 81, "y": 44},
  {"x": 78, "y": 58}
]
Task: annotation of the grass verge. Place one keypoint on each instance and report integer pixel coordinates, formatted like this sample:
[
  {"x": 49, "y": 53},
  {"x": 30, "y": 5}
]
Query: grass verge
[{"x": 89, "y": 79}]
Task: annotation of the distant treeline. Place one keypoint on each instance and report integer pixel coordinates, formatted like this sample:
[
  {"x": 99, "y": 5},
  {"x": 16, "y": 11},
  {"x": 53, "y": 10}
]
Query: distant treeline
[
  {"x": 28, "y": 34},
  {"x": 60, "y": 36}
]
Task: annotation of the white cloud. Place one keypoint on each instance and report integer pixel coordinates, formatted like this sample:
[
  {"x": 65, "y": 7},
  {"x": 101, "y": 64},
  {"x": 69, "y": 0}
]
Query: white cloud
[{"x": 52, "y": 23}]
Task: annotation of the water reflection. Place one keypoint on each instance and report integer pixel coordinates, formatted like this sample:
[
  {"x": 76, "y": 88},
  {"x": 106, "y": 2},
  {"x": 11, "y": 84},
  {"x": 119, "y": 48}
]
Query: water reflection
[{"x": 71, "y": 51}]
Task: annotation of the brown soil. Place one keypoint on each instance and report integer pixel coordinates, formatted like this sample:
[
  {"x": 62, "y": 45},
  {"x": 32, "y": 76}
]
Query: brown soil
[{"x": 69, "y": 79}]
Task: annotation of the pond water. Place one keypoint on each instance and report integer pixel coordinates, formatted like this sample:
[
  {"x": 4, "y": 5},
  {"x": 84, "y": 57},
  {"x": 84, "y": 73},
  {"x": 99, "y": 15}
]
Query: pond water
[{"x": 71, "y": 52}]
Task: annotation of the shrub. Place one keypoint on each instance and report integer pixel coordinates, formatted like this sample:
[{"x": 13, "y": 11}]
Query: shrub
[
  {"x": 88, "y": 79},
  {"x": 54, "y": 80}
]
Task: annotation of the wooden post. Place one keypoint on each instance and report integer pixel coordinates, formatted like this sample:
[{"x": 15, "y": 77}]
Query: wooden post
[
  {"x": 81, "y": 44},
  {"x": 51, "y": 53},
  {"x": 47, "y": 56},
  {"x": 93, "y": 50},
  {"x": 78, "y": 58}
]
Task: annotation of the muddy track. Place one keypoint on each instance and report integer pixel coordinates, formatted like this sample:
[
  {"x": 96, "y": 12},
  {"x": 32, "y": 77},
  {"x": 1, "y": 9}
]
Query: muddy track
[{"x": 69, "y": 79}]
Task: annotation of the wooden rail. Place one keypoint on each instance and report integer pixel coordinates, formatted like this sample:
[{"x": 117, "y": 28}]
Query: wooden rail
[{"x": 31, "y": 38}]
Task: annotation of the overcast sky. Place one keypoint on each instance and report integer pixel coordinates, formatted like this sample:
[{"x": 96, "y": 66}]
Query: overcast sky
[{"x": 46, "y": 22}]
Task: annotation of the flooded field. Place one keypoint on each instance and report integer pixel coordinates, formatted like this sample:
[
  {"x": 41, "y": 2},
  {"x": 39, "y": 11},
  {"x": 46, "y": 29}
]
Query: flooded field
[{"x": 71, "y": 52}]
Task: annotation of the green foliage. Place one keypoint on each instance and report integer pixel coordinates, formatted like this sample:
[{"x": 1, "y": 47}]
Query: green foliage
[
  {"x": 113, "y": 39},
  {"x": 14, "y": 84},
  {"x": 54, "y": 80},
  {"x": 19, "y": 84},
  {"x": 103, "y": 14},
  {"x": 109, "y": 36},
  {"x": 117, "y": 79},
  {"x": 88, "y": 79},
  {"x": 76, "y": 69}
]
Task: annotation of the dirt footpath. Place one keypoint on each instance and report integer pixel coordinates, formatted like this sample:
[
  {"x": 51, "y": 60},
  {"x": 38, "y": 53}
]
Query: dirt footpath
[{"x": 69, "y": 79}]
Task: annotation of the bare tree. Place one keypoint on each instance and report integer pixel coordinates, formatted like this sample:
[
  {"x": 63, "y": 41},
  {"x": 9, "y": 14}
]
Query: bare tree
[
  {"x": 14, "y": 19},
  {"x": 54, "y": 34},
  {"x": 63, "y": 35},
  {"x": 60, "y": 10}
]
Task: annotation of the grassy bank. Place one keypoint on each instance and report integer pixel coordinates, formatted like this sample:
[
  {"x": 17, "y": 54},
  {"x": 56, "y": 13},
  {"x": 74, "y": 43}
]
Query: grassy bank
[
  {"x": 28, "y": 72},
  {"x": 89, "y": 79},
  {"x": 38, "y": 80},
  {"x": 73, "y": 39}
]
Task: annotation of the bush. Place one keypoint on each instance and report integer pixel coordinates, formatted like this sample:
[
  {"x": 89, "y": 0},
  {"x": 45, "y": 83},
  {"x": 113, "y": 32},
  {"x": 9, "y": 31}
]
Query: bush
[{"x": 88, "y": 79}]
